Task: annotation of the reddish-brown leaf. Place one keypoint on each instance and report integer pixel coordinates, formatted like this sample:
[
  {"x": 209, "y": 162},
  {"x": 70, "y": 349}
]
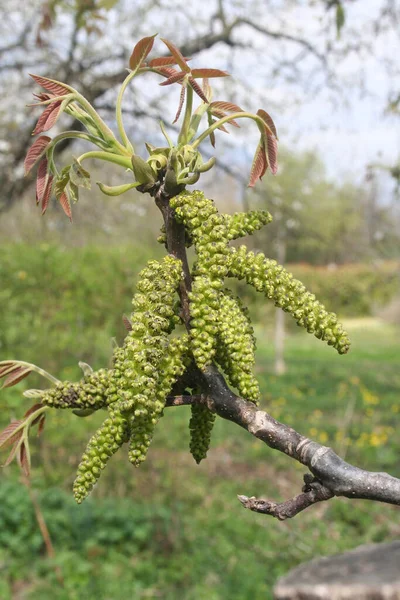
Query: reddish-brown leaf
[
  {"x": 41, "y": 425},
  {"x": 140, "y": 51},
  {"x": 35, "y": 152},
  {"x": 24, "y": 460},
  {"x": 177, "y": 77},
  {"x": 181, "y": 101},
  {"x": 198, "y": 89},
  {"x": 51, "y": 85},
  {"x": 268, "y": 121},
  {"x": 164, "y": 61},
  {"x": 272, "y": 151},
  {"x": 176, "y": 53},
  {"x": 65, "y": 204},
  {"x": 226, "y": 106},
  {"x": 7, "y": 436},
  {"x": 41, "y": 179},
  {"x": 33, "y": 409},
  {"x": 47, "y": 193},
  {"x": 221, "y": 114},
  {"x": 42, "y": 97},
  {"x": 13, "y": 452},
  {"x": 167, "y": 71},
  {"x": 224, "y": 129},
  {"x": 16, "y": 376},
  {"x": 198, "y": 73},
  {"x": 48, "y": 117},
  {"x": 127, "y": 322},
  {"x": 259, "y": 165},
  {"x": 7, "y": 366}
]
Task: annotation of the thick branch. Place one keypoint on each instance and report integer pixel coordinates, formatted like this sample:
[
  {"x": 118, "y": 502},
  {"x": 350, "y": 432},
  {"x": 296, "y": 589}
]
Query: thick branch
[{"x": 331, "y": 476}]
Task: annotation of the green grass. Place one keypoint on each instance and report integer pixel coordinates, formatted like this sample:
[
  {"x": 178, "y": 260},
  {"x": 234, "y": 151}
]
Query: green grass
[{"x": 172, "y": 529}]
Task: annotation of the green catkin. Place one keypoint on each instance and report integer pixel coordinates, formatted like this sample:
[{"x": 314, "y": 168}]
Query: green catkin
[
  {"x": 172, "y": 366},
  {"x": 90, "y": 392},
  {"x": 276, "y": 283},
  {"x": 106, "y": 441},
  {"x": 241, "y": 224},
  {"x": 236, "y": 346},
  {"x": 138, "y": 365},
  {"x": 209, "y": 233},
  {"x": 200, "y": 426}
]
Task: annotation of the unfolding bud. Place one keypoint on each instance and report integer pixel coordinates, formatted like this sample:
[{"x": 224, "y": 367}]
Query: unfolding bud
[{"x": 144, "y": 174}]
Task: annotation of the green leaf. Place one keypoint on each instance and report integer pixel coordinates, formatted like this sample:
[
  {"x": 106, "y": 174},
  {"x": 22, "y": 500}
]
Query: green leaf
[
  {"x": 79, "y": 176},
  {"x": 74, "y": 192},
  {"x": 116, "y": 190},
  {"x": 62, "y": 181},
  {"x": 142, "y": 170}
]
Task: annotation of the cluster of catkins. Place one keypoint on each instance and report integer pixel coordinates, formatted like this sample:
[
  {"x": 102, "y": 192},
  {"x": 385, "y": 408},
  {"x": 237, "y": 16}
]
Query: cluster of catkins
[{"x": 154, "y": 356}]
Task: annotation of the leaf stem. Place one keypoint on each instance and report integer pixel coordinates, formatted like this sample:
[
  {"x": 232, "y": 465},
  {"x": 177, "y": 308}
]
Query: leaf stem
[
  {"x": 109, "y": 135},
  {"x": 183, "y": 137},
  {"x": 239, "y": 115},
  {"x": 118, "y": 111},
  {"x": 122, "y": 161}
]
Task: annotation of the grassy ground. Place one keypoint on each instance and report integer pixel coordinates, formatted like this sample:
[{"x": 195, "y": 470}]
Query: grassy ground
[{"x": 172, "y": 529}]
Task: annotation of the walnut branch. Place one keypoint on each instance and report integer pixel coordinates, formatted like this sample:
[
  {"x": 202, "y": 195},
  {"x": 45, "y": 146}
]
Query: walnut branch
[{"x": 331, "y": 476}]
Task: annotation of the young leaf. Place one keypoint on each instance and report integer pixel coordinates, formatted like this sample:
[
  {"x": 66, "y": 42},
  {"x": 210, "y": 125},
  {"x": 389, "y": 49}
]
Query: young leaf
[
  {"x": 48, "y": 117},
  {"x": 175, "y": 78},
  {"x": 164, "y": 61},
  {"x": 166, "y": 71},
  {"x": 32, "y": 409},
  {"x": 35, "y": 152},
  {"x": 221, "y": 114},
  {"x": 51, "y": 85},
  {"x": 41, "y": 179},
  {"x": 24, "y": 459},
  {"x": 181, "y": 101},
  {"x": 259, "y": 165},
  {"x": 79, "y": 176},
  {"x": 16, "y": 376},
  {"x": 6, "y": 366},
  {"x": 73, "y": 192},
  {"x": 8, "y": 435},
  {"x": 208, "y": 73},
  {"x": 47, "y": 193},
  {"x": 14, "y": 449},
  {"x": 271, "y": 129},
  {"x": 198, "y": 89},
  {"x": 42, "y": 421},
  {"x": 225, "y": 106},
  {"x": 176, "y": 53},
  {"x": 272, "y": 151},
  {"x": 141, "y": 51},
  {"x": 142, "y": 170},
  {"x": 65, "y": 204},
  {"x": 116, "y": 190},
  {"x": 62, "y": 181}
]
